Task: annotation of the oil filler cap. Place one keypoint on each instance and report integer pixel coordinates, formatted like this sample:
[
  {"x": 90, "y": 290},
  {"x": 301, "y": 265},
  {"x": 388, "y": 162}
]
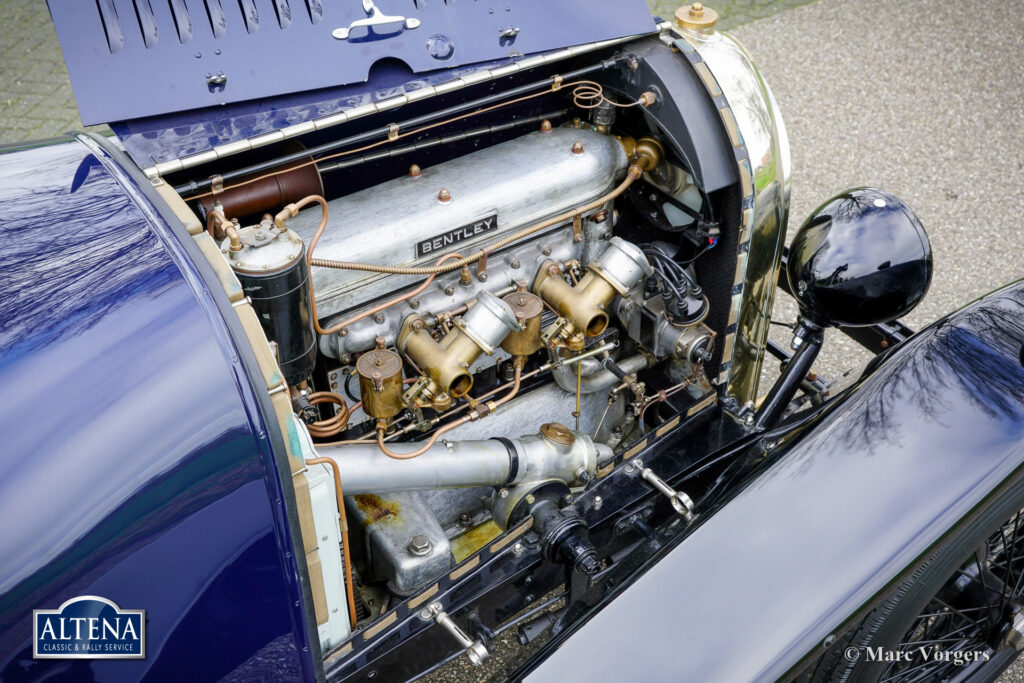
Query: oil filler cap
[{"x": 558, "y": 433}]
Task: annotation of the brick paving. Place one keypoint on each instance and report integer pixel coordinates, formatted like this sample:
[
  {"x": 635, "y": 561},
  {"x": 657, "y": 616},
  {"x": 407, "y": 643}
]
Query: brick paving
[{"x": 35, "y": 95}]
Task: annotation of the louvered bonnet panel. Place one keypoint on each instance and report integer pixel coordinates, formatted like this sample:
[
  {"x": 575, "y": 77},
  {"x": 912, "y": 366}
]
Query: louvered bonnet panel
[{"x": 136, "y": 58}]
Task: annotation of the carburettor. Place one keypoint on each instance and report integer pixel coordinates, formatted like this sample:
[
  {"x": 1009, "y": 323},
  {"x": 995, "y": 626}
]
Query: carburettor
[
  {"x": 460, "y": 206},
  {"x": 446, "y": 363}
]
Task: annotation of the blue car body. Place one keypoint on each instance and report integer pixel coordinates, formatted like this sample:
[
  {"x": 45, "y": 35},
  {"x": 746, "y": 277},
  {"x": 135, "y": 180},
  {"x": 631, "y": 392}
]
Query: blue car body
[
  {"x": 141, "y": 460},
  {"x": 145, "y": 473}
]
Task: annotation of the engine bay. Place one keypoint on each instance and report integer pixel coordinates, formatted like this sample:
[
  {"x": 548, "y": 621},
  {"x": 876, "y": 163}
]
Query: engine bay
[{"x": 471, "y": 343}]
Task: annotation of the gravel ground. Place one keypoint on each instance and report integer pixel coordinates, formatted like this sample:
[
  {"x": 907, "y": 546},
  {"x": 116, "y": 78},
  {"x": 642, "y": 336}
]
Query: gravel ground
[
  {"x": 921, "y": 99},
  {"x": 918, "y": 98}
]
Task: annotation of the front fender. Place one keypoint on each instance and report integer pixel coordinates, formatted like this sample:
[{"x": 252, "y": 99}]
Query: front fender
[{"x": 846, "y": 510}]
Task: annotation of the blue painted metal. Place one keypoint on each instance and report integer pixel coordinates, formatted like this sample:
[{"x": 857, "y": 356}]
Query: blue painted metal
[
  {"x": 853, "y": 503},
  {"x": 137, "y": 461},
  {"x": 133, "y": 58},
  {"x": 155, "y": 139}
]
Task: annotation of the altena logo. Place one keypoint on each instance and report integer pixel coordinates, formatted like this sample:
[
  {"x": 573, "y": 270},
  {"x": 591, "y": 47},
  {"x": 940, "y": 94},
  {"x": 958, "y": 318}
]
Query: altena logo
[{"x": 89, "y": 627}]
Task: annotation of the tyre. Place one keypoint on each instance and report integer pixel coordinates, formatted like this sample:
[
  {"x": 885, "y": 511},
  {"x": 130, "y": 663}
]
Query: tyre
[{"x": 958, "y": 617}]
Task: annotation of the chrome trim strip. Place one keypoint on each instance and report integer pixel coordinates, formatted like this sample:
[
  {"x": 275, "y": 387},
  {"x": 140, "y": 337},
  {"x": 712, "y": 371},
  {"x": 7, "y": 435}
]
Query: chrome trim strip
[{"x": 323, "y": 122}]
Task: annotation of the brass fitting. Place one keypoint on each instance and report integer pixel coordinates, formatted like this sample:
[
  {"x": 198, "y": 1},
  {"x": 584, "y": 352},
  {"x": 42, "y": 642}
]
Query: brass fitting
[
  {"x": 289, "y": 211},
  {"x": 646, "y": 152},
  {"x": 527, "y": 309},
  {"x": 619, "y": 269},
  {"x": 696, "y": 16},
  {"x": 380, "y": 382},
  {"x": 447, "y": 362}
]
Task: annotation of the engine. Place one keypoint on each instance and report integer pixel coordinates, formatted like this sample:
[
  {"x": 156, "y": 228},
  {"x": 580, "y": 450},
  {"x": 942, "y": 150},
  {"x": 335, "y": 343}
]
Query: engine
[{"x": 471, "y": 343}]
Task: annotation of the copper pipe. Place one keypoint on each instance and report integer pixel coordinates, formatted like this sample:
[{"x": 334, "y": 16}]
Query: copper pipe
[
  {"x": 475, "y": 414},
  {"x": 335, "y": 424},
  {"x": 269, "y": 194},
  {"x": 635, "y": 171},
  {"x": 343, "y": 520},
  {"x": 644, "y": 101},
  {"x": 289, "y": 212},
  {"x": 218, "y": 218}
]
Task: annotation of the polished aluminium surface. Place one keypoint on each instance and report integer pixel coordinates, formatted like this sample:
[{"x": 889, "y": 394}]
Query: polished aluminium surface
[
  {"x": 494, "y": 192},
  {"x": 763, "y": 133},
  {"x": 465, "y": 463},
  {"x": 136, "y": 460},
  {"x": 489, "y": 321},
  {"x": 861, "y": 258},
  {"x": 848, "y": 506},
  {"x": 179, "y": 56},
  {"x": 406, "y": 543}
]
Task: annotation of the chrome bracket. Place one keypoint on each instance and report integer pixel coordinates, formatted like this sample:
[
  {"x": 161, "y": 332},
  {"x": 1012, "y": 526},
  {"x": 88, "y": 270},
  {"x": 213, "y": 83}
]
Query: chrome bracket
[
  {"x": 475, "y": 649},
  {"x": 681, "y": 502},
  {"x": 375, "y": 18}
]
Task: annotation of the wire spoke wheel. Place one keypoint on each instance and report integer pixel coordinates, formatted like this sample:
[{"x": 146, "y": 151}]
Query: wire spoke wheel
[{"x": 958, "y": 617}]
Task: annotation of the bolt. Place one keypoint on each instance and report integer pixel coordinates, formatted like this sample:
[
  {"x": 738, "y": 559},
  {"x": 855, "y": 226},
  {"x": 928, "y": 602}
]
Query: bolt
[
  {"x": 598, "y": 502},
  {"x": 414, "y": 304},
  {"x": 449, "y": 290},
  {"x": 419, "y": 545},
  {"x": 515, "y": 263},
  {"x": 518, "y": 548},
  {"x": 464, "y": 519},
  {"x": 344, "y": 333},
  {"x": 583, "y": 476},
  {"x": 546, "y": 250},
  {"x": 530, "y": 499},
  {"x": 578, "y": 237},
  {"x": 577, "y": 147},
  {"x": 444, "y": 195},
  {"x": 379, "y": 318},
  {"x": 346, "y": 358},
  {"x": 482, "y": 277},
  {"x": 829, "y": 640},
  {"x": 503, "y": 493}
]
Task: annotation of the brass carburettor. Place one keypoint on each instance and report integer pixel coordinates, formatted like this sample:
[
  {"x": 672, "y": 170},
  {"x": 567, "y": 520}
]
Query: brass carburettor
[
  {"x": 446, "y": 363},
  {"x": 380, "y": 382},
  {"x": 585, "y": 306}
]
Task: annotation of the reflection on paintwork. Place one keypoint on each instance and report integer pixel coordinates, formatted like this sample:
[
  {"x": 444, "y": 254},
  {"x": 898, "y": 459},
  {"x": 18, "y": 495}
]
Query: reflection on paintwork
[
  {"x": 131, "y": 467},
  {"x": 905, "y": 456},
  {"x": 861, "y": 258}
]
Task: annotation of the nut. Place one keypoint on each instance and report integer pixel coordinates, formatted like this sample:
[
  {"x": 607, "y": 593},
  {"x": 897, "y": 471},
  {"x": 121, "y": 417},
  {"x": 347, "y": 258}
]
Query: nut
[
  {"x": 444, "y": 195},
  {"x": 545, "y": 126},
  {"x": 419, "y": 545},
  {"x": 414, "y": 171},
  {"x": 577, "y": 147}
]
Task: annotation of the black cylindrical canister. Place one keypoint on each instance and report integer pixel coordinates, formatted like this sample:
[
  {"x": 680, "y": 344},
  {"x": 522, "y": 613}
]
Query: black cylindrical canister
[{"x": 275, "y": 278}]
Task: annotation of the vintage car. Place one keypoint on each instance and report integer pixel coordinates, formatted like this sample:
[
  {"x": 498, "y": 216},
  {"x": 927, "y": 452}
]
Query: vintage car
[{"x": 382, "y": 336}]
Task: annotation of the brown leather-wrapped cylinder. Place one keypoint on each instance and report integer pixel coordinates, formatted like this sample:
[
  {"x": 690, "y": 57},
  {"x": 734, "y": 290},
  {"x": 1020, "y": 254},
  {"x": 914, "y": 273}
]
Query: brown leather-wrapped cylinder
[{"x": 268, "y": 194}]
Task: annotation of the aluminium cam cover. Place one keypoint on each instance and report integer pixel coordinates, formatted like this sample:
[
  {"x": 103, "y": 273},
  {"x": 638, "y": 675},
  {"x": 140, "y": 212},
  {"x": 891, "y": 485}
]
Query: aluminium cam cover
[{"x": 494, "y": 192}]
